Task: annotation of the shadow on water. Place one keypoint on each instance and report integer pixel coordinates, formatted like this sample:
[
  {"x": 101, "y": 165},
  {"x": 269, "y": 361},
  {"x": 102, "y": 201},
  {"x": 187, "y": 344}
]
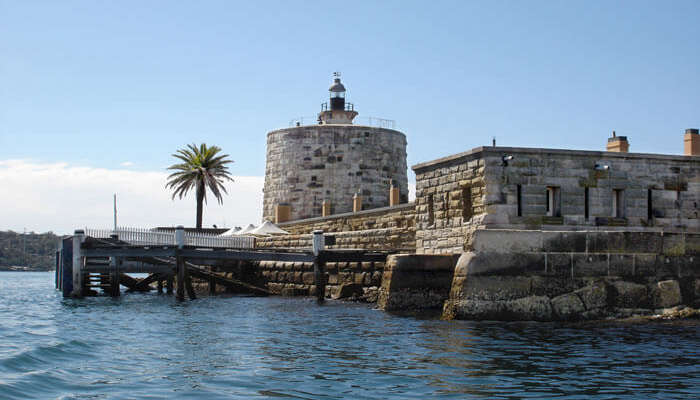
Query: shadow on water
[{"x": 150, "y": 345}]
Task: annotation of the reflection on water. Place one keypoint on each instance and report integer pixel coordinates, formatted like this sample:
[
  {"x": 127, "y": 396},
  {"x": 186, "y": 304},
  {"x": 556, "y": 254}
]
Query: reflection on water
[{"x": 244, "y": 347}]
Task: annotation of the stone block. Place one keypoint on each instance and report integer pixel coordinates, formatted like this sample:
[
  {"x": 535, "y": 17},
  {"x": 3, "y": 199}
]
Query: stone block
[
  {"x": 531, "y": 308},
  {"x": 622, "y": 265},
  {"x": 308, "y": 278},
  {"x": 499, "y": 263},
  {"x": 630, "y": 295},
  {"x": 594, "y": 296},
  {"x": 666, "y": 294},
  {"x": 564, "y": 242},
  {"x": 473, "y": 310},
  {"x": 590, "y": 265},
  {"x": 667, "y": 267},
  {"x": 644, "y": 265},
  {"x": 495, "y": 288},
  {"x": 568, "y": 307},
  {"x": 558, "y": 265},
  {"x": 551, "y": 286}
]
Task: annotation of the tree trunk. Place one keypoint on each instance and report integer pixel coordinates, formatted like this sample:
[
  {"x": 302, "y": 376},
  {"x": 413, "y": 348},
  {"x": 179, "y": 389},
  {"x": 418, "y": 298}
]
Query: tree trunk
[{"x": 200, "y": 201}]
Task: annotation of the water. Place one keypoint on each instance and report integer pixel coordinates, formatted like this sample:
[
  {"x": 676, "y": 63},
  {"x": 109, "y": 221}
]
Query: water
[{"x": 150, "y": 346}]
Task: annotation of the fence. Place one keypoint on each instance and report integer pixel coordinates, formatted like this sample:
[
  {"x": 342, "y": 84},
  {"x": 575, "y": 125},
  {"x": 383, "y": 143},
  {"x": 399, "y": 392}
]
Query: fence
[
  {"x": 366, "y": 121},
  {"x": 147, "y": 237}
]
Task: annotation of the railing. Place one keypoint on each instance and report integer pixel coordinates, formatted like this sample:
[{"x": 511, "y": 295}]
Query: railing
[
  {"x": 148, "y": 237},
  {"x": 366, "y": 121}
]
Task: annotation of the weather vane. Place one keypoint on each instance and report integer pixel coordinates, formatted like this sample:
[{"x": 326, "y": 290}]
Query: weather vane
[{"x": 336, "y": 74}]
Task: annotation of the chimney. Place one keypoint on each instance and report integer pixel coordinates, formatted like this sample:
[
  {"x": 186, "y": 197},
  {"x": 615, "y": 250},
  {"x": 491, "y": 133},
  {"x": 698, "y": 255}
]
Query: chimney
[
  {"x": 357, "y": 202},
  {"x": 326, "y": 208},
  {"x": 618, "y": 144},
  {"x": 393, "y": 194},
  {"x": 691, "y": 140},
  {"x": 283, "y": 213}
]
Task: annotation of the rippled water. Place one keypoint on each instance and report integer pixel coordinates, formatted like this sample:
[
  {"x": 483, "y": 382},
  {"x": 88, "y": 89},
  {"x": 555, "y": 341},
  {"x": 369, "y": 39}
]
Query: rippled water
[{"x": 151, "y": 346}]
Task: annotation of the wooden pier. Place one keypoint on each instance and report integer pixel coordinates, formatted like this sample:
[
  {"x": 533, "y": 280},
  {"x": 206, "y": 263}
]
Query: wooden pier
[{"x": 87, "y": 265}]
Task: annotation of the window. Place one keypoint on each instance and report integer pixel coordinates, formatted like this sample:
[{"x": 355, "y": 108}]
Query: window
[
  {"x": 431, "y": 211},
  {"x": 553, "y": 202},
  {"x": 618, "y": 203},
  {"x": 650, "y": 206},
  {"x": 586, "y": 204},
  {"x": 520, "y": 200},
  {"x": 466, "y": 203}
]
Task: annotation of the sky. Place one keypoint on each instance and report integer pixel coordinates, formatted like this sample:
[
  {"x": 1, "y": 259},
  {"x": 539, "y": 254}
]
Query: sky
[{"x": 95, "y": 96}]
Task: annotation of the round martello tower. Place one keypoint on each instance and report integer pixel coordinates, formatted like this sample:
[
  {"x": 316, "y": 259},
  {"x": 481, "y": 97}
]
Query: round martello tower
[{"x": 333, "y": 166}]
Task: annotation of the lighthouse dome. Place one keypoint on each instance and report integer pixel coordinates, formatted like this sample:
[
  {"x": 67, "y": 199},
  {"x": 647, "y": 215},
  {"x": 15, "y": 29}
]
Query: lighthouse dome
[{"x": 336, "y": 86}]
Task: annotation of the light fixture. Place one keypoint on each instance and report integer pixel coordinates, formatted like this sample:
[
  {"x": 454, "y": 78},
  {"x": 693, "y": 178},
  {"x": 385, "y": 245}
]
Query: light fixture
[
  {"x": 505, "y": 159},
  {"x": 601, "y": 167}
]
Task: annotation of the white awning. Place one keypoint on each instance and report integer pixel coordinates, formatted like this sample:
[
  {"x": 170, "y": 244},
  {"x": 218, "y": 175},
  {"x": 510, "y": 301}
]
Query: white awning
[{"x": 267, "y": 228}]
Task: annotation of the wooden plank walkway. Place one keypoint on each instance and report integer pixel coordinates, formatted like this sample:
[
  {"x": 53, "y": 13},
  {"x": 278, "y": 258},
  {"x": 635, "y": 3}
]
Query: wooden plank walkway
[{"x": 108, "y": 261}]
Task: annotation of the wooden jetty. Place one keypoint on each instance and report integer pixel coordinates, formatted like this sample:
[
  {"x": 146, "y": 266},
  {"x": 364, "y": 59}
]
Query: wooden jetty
[{"x": 87, "y": 264}]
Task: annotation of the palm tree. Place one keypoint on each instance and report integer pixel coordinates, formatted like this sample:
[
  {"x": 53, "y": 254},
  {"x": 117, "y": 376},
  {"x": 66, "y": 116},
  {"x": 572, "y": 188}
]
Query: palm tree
[{"x": 202, "y": 168}]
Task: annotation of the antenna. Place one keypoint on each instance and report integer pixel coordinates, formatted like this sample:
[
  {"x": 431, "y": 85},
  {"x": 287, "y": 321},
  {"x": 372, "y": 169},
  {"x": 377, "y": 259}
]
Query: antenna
[{"x": 115, "y": 213}]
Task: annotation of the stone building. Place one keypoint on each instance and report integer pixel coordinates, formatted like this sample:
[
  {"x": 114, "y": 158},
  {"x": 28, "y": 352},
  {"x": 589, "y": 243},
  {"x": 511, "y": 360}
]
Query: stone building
[
  {"x": 334, "y": 166},
  {"x": 506, "y": 233},
  {"x": 550, "y": 189}
]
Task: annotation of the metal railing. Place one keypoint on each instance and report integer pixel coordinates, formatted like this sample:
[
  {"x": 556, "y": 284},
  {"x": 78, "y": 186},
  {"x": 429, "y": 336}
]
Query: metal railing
[
  {"x": 366, "y": 121},
  {"x": 148, "y": 237}
]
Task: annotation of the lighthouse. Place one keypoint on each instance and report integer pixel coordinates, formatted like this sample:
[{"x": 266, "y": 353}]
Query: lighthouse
[{"x": 334, "y": 166}]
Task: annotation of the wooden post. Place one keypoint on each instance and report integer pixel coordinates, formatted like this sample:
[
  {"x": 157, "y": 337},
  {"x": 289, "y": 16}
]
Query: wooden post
[
  {"x": 188, "y": 285},
  {"x": 319, "y": 266},
  {"x": 78, "y": 239},
  {"x": 180, "y": 262},
  {"x": 160, "y": 286},
  {"x": 114, "y": 264},
  {"x": 212, "y": 282},
  {"x": 169, "y": 284}
]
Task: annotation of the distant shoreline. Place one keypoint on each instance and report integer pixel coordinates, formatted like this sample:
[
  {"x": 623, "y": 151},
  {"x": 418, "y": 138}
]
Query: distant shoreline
[{"x": 17, "y": 268}]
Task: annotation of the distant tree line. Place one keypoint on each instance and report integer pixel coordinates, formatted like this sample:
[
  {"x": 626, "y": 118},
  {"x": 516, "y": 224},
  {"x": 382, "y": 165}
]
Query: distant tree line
[{"x": 33, "y": 250}]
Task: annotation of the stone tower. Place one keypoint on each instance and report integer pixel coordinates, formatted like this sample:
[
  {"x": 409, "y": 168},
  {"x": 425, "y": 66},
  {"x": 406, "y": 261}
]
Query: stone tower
[{"x": 332, "y": 162}]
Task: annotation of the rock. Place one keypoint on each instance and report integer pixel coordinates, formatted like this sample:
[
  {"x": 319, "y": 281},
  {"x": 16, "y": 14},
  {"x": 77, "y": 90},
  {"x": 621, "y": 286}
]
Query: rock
[
  {"x": 347, "y": 290},
  {"x": 666, "y": 294},
  {"x": 678, "y": 313},
  {"x": 594, "y": 296},
  {"x": 532, "y": 308},
  {"x": 630, "y": 295},
  {"x": 568, "y": 307},
  {"x": 370, "y": 294},
  {"x": 475, "y": 310}
]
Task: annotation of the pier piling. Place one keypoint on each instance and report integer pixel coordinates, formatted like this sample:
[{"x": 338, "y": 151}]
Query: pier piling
[
  {"x": 78, "y": 238},
  {"x": 319, "y": 266}
]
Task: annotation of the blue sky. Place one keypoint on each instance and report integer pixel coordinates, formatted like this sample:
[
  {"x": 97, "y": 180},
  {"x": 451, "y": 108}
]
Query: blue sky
[{"x": 102, "y": 83}]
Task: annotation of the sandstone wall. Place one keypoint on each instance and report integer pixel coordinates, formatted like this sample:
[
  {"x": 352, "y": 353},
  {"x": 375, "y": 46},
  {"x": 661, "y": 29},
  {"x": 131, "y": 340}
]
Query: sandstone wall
[
  {"x": 511, "y": 275},
  {"x": 359, "y": 281},
  {"x": 388, "y": 228},
  {"x": 514, "y": 194},
  {"x": 308, "y": 164},
  {"x": 450, "y": 204}
]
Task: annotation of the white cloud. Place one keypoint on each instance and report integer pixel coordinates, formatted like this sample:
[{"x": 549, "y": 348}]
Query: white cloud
[
  {"x": 127, "y": 164},
  {"x": 411, "y": 192},
  {"x": 61, "y": 197}
]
